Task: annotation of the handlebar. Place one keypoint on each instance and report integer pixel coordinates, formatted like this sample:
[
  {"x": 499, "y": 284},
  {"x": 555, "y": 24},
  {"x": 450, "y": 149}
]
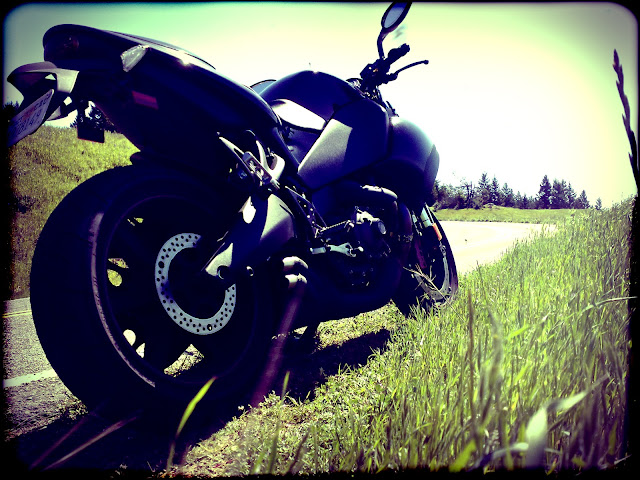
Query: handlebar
[{"x": 377, "y": 73}]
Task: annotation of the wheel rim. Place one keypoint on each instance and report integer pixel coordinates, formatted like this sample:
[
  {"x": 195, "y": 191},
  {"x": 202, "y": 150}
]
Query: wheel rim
[
  {"x": 433, "y": 278},
  {"x": 142, "y": 314}
]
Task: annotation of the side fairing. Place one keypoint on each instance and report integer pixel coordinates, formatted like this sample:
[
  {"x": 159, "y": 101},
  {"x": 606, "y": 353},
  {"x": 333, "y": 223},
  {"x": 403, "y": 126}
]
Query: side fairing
[{"x": 356, "y": 137}]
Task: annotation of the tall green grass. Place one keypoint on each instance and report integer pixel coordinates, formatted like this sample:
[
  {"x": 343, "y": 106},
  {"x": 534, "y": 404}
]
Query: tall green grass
[
  {"x": 43, "y": 168},
  {"x": 526, "y": 368}
]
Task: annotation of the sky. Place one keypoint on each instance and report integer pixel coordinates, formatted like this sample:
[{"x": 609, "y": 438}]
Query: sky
[{"x": 516, "y": 90}]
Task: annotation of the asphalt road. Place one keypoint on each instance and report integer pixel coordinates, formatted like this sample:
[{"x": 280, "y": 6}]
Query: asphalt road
[
  {"x": 480, "y": 243},
  {"x": 36, "y": 397}
]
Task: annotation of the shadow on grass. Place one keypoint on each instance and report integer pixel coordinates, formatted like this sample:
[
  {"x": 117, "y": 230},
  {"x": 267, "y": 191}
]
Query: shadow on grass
[
  {"x": 307, "y": 372},
  {"x": 125, "y": 450},
  {"x": 134, "y": 449}
]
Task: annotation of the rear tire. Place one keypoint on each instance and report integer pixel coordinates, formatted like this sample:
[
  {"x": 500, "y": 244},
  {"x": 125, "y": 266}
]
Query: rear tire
[
  {"x": 432, "y": 281},
  {"x": 104, "y": 313}
]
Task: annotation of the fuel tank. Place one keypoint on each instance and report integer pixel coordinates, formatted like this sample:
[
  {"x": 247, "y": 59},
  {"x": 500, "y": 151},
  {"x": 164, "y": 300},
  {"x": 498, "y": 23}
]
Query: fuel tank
[
  {"x": 359, "y": 139},
  {"x": 320, "y": 93},
  {"x": 362, "y": 142},
  {"x": 411, "y": 165}
]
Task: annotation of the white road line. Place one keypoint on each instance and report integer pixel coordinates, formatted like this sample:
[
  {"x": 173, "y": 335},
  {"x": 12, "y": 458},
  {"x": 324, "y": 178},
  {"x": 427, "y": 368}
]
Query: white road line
[
  {"x": 32, "y": 377},
  {"x": 16, "y": 314},
  {"x": 22, "y": 308}
]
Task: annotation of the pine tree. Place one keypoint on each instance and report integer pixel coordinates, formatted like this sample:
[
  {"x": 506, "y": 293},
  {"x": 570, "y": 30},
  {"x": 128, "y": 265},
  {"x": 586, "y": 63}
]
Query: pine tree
[
  {"x": 598, "y": 205},
  {"x": 571, "y": 196},
  {"x": 496, "y": 198},
  {"x": 517, "y": 200},
  {"x": 508, "y": 199},
  {"x": 8, "y": 112},
  {"x": 96, "y": 119},
  {"x": 565, "y": 196},
  {"x": 543, "y": 200},
  {"x": 581, "y": 201},
  {"x": 558, "y": 194},
  {"x": 483, "y": 190}
]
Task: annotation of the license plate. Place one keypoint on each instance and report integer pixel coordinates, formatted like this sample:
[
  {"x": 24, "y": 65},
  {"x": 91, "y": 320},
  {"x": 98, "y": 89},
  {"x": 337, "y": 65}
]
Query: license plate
[{"x": 30, "y": 119}]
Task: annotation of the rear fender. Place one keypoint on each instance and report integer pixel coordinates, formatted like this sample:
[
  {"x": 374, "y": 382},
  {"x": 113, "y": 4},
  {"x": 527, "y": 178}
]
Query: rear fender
[
  {"x": 35, "y": 79},
  {"x": 264, "y": 226}
]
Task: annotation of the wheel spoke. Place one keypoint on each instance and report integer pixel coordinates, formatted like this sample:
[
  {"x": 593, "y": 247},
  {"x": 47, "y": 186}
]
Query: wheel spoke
[
  {"x": 161, "y": 351},
  {"x": 131, "y": 299},
  {"x": 131, "y": 245},
  {"x": 163, "y": 345}
]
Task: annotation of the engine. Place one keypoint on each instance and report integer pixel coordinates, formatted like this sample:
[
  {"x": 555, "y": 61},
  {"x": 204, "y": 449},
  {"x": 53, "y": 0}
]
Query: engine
[
  {"x": 357, "y": 261},
  {"x": 354, "y": 249}
]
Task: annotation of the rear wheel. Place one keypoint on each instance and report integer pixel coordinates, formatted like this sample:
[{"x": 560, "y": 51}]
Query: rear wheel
[
  {"x": 430, "y": 279},
  {"x": 119, "y": 303}
]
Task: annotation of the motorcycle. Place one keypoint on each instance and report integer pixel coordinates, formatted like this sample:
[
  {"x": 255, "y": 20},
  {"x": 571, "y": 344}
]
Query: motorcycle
[{"x": 246, "y": 214}]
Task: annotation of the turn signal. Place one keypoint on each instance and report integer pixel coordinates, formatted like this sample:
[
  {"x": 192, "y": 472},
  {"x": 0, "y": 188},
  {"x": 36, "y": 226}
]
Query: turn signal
[{"x": 437, "y": 230}]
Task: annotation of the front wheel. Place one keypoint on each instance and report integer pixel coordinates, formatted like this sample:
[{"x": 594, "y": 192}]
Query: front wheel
[
  {"x": 118, "y": 302},
  {"x": 430, "y": 279}
]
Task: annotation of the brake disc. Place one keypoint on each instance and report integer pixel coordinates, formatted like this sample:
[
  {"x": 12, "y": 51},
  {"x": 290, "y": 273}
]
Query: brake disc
[{"x": 186, "y": 321}]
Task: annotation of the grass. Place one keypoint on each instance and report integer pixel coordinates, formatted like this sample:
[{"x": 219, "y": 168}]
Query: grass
[
  {"x": 43, "y": 168},
  {"x": 529, "y": 364},
  {"x": 507, "y": 214}
]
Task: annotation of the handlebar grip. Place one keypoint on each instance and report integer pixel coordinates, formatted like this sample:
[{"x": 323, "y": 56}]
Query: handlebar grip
[{"x": 397, "y": 53}]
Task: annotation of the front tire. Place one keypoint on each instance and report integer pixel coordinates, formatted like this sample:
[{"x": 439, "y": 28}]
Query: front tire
[
  {"x": 430, "y": 279},
  {"x": 117, "y": 304}
]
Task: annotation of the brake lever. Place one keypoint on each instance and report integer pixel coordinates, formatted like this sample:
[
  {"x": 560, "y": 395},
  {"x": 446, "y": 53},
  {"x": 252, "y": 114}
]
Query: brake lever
[
  {"x": 395, "y": 74},
  {"x": 390, "y": 77}
]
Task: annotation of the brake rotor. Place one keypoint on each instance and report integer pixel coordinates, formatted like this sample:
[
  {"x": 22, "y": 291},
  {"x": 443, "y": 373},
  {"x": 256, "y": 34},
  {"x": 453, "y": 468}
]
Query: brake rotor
[{"x": 186, "y": 321}]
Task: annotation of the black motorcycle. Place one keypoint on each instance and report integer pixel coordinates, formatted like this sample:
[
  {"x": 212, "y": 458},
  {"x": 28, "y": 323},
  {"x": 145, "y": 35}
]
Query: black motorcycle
[{"x": 247, "y": 213}]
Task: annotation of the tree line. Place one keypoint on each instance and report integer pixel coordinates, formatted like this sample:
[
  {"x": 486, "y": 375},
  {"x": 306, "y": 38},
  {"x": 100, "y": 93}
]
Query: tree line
[{"x": 556, "y": 194}]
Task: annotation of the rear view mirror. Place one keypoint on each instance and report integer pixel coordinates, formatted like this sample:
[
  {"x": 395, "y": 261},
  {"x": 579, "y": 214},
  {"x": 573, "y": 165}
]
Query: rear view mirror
[{"x": 392, "y": 18}]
